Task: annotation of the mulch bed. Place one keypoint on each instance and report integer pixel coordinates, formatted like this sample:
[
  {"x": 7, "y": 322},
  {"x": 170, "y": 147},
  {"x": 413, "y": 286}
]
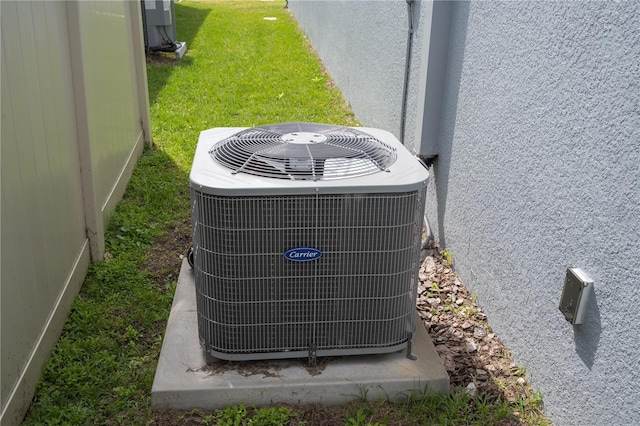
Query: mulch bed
[{"x": 473, "y": 355}]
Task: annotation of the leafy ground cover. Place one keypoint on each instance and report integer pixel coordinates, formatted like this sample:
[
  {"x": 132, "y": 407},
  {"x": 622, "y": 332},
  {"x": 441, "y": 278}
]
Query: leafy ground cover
[{"x": 240, "y": 70}]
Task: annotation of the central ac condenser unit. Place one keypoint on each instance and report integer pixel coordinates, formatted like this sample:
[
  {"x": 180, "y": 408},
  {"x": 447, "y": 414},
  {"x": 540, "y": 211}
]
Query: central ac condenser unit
[{"x": 306, "y": 241}]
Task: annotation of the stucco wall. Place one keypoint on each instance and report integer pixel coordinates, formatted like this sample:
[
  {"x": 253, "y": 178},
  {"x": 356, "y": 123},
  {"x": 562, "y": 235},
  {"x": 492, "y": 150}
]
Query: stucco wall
[
  {"x": 538, "y": 171},
  {"x": 363, "y": 43}
]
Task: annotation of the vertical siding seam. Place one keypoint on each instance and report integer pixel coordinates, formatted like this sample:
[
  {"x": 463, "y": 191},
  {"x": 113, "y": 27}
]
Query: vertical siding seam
[
  {"x": 140, "y": 69},
  {"x": 94, "y": 224}
]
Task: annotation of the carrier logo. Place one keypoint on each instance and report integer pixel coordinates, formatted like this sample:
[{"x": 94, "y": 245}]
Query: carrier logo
[{"x": 303, "y": 254}]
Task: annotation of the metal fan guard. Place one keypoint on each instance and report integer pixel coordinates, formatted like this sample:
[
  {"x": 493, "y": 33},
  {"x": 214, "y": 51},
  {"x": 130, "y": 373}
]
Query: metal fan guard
[{"x": 304, "y": 151}]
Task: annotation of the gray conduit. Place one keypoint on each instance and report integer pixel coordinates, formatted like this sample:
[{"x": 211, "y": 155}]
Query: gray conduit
[
  {"x": 405, "y": 89},
  {"x": 407, "y": 70},
  {"x": 429, "y": 233}
]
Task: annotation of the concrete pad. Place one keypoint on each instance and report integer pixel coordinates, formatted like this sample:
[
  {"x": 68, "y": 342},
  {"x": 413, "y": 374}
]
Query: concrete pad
[{"x": 184, "y": 381}]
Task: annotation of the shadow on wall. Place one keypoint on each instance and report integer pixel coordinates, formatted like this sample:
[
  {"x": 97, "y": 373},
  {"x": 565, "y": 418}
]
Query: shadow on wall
[
  {"x": 188, "y": 23},
  {"x": 587, "y": 335},
  {"x": 459, "y": 18}
]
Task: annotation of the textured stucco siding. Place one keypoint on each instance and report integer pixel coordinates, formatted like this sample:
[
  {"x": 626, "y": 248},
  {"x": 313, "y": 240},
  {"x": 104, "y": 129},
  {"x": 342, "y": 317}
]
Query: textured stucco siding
[
  {"x": 363, "y": 44},
  {"x": 539, "y": 170}
]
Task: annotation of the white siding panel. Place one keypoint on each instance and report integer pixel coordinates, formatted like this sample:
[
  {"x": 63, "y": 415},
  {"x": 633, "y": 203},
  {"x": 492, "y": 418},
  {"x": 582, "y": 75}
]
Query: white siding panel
[
  {"x": 111, "y": 94},
  {"x": 43, "y": 233},
  {"x": 71, "y": 133}
]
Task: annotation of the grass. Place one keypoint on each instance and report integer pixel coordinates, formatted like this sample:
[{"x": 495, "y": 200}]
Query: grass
[
  {"x": 102, "y": 368},
  {"x": 240, "y": 70}
]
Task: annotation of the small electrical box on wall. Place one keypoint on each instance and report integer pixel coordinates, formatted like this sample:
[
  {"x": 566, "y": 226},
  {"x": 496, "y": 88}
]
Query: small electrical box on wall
[{"x": 575, "y": 295}]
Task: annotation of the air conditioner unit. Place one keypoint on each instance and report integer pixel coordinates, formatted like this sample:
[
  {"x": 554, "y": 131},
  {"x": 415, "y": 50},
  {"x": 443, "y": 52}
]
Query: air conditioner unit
[
  {"x": 306, "y": 241},
  {"x": 159, "y": 27}
]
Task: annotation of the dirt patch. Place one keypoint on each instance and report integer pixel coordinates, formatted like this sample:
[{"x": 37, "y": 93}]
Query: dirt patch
[
  {"x": 186, "y": 418},
  {"x": 308, "y": 415},
  {"x": 264, "y": 368},
  {"x": 164, "y": 259},
  {"x": 160, "y": 59},
  {"x": 318, "y": 415},
  {"x": 244, "y": 368},
  {"x": 321, "y": 364}
]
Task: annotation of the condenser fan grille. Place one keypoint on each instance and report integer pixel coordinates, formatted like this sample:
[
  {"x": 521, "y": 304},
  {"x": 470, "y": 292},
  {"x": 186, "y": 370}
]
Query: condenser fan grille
[{"x": 304, "y": 151}]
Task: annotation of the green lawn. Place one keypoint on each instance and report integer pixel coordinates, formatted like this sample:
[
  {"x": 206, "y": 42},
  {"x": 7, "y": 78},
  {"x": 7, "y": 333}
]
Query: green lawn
[{"x": 240, "y": 70}]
